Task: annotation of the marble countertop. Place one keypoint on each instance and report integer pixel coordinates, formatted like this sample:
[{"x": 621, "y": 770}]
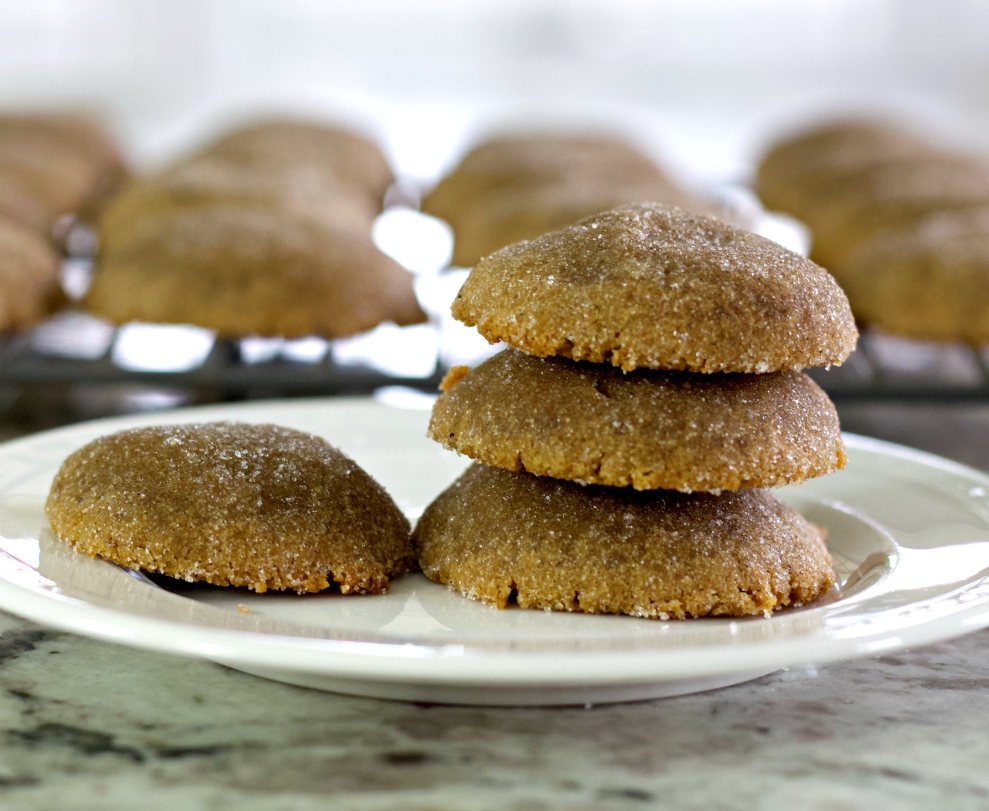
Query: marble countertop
[
  {"x": 88, "y": 725},
  {"x": 97, "y": 727}
]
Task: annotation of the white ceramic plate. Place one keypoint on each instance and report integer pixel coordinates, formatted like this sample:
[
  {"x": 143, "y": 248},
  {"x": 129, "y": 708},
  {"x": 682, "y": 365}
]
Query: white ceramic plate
[{"x": 909, "y": 533}]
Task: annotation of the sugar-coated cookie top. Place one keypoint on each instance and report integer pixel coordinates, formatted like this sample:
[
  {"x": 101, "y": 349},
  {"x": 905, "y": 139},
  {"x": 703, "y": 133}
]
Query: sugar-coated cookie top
[
  {"x": 231, "y": 504},
  {"x": 657, "y": 287}
]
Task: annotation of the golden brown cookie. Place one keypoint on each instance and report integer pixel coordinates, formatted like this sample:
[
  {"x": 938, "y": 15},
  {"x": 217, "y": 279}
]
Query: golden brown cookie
[
  {"x": 520, "y": 161},
  {"x": 893, "y": 193},
  {"x": 606, "y": 550},
  {"x": 283, "y": 144},
  {"x": 29, "y": 281},
  {"x": 655, "y": 287},
  {"x": 799, "y": 169},
  {"x": 521, "y": 213},
  {"x": 231, "y": 504},
  {"x": 251, "y": 271},
  {"x": 206, "y": 182},
  {"x": 17, "y": 205},
  {"x": 67, "y": 163},
  {"x": 594, "y": 424},
  {"x": 930, "y": 280}
]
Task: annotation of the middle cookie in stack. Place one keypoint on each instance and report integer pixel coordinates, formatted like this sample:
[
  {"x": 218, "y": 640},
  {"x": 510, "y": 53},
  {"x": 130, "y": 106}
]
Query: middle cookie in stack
[{"x": 640, "y": 492}]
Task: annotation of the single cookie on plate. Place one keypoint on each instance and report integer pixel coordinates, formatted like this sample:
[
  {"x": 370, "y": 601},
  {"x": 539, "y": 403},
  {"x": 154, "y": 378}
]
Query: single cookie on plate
[
  {"x": 567, "y": 547},
  {"x": 246, "y": 271},
  {"x": 594, "y": 424},
  {"x": 231, "y": 504},
  {"x": 657, "y": 287}
]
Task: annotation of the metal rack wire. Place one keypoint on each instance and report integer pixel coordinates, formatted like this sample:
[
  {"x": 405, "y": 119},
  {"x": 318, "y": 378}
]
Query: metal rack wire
[
  {"x": 886, "y": 368},
  {"x": 883, "y": 369}
]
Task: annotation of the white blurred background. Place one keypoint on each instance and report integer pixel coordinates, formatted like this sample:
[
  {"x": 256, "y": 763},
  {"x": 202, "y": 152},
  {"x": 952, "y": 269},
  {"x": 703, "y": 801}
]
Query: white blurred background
[
  {"x": 703, "y": 82},
  {"x": 703, "y": 85}
]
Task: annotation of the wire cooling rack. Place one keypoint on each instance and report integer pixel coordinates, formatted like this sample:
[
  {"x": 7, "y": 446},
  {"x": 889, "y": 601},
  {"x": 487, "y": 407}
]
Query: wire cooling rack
[{"x": 884, "y": 368}]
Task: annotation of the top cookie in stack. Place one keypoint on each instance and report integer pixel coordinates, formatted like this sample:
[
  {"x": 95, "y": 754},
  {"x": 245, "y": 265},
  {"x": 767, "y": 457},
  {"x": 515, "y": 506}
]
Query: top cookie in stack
[
  {"x": 710, "y": 325},
  {"x": 265, "y": 231},
  {"x": 660, "y": 288}
]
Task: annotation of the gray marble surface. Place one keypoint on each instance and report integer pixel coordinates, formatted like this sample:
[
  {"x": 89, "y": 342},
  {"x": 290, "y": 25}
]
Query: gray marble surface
[{"x": 92, "y": 726}]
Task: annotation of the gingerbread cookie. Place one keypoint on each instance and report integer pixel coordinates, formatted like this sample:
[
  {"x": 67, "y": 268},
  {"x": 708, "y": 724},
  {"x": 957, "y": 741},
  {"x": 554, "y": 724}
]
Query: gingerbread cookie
[
  {"x": 796, "y": 172},
  {"x": 656, "y": 287},
  {"x": 203, "y": 183},
  {"x": 67, "y": 163},
  {"x": 517, "y": 214},
  {"x": 245, "y": 271},
  {"x": 29, "y": 281},
  {"x": 556, "y": 545},
  {"x": 319, "y": 148},
  {"x": 231, "y": 504},
  {"x": 896, "y": 193},
  {"x": 594, "y": 424},
  {"x": 519, "y": 162},
  {"x": 929, "y": 281}
]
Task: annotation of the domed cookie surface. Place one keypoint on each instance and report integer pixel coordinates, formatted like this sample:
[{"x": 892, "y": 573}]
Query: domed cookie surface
[
  {"x": 566, "y": 547},
  {"x": 929, "y": 281},
  {"x": 315, "y": 147},
  {"x": 520, "y": 161},
  {"x": 649, "y": 286},
  {"x": 231, "y": 504},
  {"x": 648, "y": 429},
  {"x": 521, "y": 213},
  {"x": 247, "y": 271},
  {"x": 202, "y": 183},
  {"x": 798, "y": 169},
  {"x": 893, "y": 194}
]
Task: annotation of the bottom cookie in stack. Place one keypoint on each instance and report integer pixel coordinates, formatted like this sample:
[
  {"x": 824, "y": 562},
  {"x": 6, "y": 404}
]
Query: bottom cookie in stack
[{"x": 497, "y": 534}]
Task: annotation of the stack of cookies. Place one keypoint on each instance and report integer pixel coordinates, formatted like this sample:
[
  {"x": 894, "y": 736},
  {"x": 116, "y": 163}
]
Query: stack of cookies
[
  {"x": 266, "y": 231},
  {"x": 516, "y": 187},
  {"x": 639, "y": 489},
  {"x": 51, "y": 166},
  {"x": 902, "y": 224}
]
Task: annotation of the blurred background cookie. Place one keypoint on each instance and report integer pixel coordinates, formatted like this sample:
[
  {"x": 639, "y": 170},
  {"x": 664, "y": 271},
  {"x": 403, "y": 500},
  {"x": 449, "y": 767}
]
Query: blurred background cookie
[
  {"x": 29, "y": 281},
  {"x": 68, "y": 163},
  {"x": 929, "y": 280},
  {"x": 897, "y": 219},
  {"x": 595, "y": 424},
  {"x": 516, "y": 187},
  {"x": 266, "y": 231},
  {"x": 203, "y": 182},
  {"x": 796, "y": 170},
  {"x": 245, "y": 271},
  {"x": 314, "y": 148}
]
